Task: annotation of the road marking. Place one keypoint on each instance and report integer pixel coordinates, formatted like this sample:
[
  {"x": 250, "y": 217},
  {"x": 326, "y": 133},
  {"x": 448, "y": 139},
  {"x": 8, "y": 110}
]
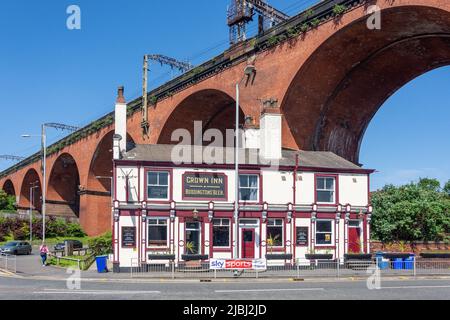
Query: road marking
[
  {"x": 268, "y": 290},
  {"x": 94, "y": 292},
  {"x": 416, "y": 287}
]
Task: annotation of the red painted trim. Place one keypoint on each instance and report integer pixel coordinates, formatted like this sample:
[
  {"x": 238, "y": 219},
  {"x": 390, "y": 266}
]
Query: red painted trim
[
  {"x": 129, "y": 213},
  {"x": 139, "y": 184},
  {"x": 178, "y": 244},
  {"x": 243, "y": 166},
  {"x": 115, "y": 180},
  {"x": 170, "y": 171},
  {"x": 283, "y": 247},
  {"x": 225, "y": 199},
  {"x": 260, "y": 237},
  {"x": 211, "y": 237},
  {"x": 336, "y": 189}
]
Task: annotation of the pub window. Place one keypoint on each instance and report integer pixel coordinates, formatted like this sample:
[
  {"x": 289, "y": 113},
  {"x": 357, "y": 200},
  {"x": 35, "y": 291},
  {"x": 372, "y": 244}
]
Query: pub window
[
  {"x": 221, "y": 232},
  {"x": 248, "y": 187},
  {"x": 325, "y": 189},
  {"x": 275, "y": 232},
  {"x": 157, "y": 232},
  {"x": 324, "y": 232},
  {"x": 158, "y": 185}
]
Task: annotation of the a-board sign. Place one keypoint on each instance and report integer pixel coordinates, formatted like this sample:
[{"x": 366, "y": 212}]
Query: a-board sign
[
  {"x": 129, "y": 237},
  {"x": 301, "y": 235}
]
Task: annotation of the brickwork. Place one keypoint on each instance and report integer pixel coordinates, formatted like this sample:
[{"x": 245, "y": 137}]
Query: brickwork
[{"x": 329, "y": 83}]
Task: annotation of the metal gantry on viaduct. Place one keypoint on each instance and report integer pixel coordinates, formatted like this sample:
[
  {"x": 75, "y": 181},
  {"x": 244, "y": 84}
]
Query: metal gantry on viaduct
[{"x": 326, "y": 71}]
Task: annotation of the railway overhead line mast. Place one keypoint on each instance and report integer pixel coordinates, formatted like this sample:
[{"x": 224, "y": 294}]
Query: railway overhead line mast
[{"x": 241, "y": 13}]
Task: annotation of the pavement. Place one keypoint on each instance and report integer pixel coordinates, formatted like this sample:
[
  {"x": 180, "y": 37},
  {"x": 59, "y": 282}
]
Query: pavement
[{"x": 33, "y": 281}]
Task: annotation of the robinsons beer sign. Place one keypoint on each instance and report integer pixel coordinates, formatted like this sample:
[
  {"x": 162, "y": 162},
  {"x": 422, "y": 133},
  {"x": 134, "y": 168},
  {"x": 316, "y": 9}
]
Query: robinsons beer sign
[{"x": 206, "y": 186}]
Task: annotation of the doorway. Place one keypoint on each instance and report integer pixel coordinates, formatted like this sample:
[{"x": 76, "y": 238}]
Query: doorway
[
  {"x": 248, "y": 243},
  {"x": 354, "y": 237}
]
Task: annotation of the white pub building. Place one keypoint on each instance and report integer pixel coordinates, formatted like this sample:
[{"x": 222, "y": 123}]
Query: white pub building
[{"x": 309, "y": 203}]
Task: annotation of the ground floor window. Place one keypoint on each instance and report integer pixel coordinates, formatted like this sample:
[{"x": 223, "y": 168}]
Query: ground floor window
[
  {"x": 157, "y": 232},
  {"x": 193, "y": 235},
  {"x": 221, "y": 232},
  {"x": 275, "y": 232},
  {"x": 324, "y": 232}
]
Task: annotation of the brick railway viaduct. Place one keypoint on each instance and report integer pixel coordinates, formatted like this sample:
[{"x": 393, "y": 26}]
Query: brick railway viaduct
[{"x": 329, "y": 81}]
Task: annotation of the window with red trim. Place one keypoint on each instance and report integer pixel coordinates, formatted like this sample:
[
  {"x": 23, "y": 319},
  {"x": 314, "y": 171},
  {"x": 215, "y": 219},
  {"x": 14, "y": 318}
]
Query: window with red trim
[{"x": 326, "y": 189}]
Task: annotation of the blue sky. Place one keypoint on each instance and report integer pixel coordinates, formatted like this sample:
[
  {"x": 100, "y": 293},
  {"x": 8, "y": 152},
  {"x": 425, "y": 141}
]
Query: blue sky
[{"x": 51, "y": 74}]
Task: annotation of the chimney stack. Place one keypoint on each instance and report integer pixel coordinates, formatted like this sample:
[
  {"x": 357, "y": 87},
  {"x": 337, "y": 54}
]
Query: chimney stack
[
  {"x": 120, "y": 124},
  {"x": 270, "y": 124}
]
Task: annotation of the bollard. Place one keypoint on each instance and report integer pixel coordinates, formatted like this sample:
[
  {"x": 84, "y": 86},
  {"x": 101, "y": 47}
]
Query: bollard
[{"x": 173, "y": 270}]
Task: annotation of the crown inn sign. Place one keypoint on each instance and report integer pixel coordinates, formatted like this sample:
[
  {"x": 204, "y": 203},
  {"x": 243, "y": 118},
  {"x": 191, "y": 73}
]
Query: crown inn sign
[{"x": 167, "y": 212}]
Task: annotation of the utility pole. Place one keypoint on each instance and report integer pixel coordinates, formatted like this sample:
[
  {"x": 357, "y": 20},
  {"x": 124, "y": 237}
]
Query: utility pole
[
  {"x": 58, "y": 126},
  {"x": 144, "y": 124},
  {"x": 163, "y": 60}
]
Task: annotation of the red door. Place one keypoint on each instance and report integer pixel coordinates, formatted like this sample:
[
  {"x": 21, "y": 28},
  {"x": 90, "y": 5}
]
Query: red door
[
  {"x": 354, "y": 239},
  {"x": 248, "y": 243}
]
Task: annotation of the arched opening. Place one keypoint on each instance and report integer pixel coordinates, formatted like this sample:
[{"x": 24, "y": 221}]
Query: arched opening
[
  {"x": 408, "y": 137},
  {"x": 215, "y": 109},
  {"x": 31, "y": 180},
  {"x": 8, "y": 187},
  {"x": 62, "y": 195},
  {"x": 95, "y": 197},
  {"x": 359, "y": 70},
  {"x": 102, "y": 166}
]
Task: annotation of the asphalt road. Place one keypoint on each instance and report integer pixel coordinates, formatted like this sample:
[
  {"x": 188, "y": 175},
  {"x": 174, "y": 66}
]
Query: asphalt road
[{"x": 24, "y": 289}]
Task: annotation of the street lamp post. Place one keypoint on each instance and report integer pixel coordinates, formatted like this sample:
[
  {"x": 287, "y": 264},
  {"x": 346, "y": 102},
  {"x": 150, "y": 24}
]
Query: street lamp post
[
  {"x": 32, "y": 187},
  {"x": 44, "y": 162},
  {"x": 248, "y": 72}
]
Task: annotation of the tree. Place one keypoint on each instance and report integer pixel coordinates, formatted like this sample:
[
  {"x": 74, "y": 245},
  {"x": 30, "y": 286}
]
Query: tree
[
  {"x": 411, "y": 212},
  {"x": 7, "y": 202},
  {"x": 430, "y": 184},
  {"x": 446, "y": 188}
]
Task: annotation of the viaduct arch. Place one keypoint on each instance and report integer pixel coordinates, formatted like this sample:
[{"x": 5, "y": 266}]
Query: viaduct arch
[{"x": 328, "y": 82}]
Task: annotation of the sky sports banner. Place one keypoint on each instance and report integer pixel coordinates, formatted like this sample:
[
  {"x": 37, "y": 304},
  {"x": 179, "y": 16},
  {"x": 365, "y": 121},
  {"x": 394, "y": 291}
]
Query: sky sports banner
[{"x": 224, "y": 264}]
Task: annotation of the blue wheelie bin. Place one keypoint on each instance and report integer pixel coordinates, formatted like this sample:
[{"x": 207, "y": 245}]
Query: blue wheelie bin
[
  {"x": 381, "y": 262},
  {"x": 409, "y": 262},
  {"x": 101, "y": 262},
  {"x": 397, "y": 264}
]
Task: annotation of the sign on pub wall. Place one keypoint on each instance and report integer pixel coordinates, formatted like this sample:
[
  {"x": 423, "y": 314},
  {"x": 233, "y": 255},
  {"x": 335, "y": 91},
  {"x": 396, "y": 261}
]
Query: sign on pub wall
[{"x": 205, "y": 186}]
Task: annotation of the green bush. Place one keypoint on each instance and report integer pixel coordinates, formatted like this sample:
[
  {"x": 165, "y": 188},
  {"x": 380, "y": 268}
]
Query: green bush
[
  {"x": 55, "y": 227},
  {"x": 339, "y": 9},
  {"x": 7, "y": 202},
  {"x": 101, "y": 245},
  {"x": 74, "y": 230}
]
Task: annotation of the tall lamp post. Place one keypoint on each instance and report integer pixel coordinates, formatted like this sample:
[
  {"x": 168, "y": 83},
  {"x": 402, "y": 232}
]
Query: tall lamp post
[
  {"x": 32, "y": 187},
  {"x": 248, "y": 72},
  {"x": 43, "y": 137}
]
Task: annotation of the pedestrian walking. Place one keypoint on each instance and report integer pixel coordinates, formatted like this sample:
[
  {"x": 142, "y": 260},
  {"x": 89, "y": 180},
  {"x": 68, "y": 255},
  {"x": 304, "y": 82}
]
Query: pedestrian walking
[{"x": 43, "y": 251}]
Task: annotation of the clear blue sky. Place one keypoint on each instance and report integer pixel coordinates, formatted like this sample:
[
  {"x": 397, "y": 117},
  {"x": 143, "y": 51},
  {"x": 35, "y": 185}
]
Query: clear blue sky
[{"x": 51, "y": 74}]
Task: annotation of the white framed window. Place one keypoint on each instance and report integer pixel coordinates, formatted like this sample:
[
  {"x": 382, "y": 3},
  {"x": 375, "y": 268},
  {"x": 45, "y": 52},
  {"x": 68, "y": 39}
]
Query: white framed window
[
  {"x": 275, "y": 231},
  {"x": 221, "y": 233},
  {"x": 157, "y": 185},
  {"x": 326, "y": 189},
  {"x": 249, "y": 187},
  {"x": 157, "y": 232},
  {"x": 324, "y": 232}
]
